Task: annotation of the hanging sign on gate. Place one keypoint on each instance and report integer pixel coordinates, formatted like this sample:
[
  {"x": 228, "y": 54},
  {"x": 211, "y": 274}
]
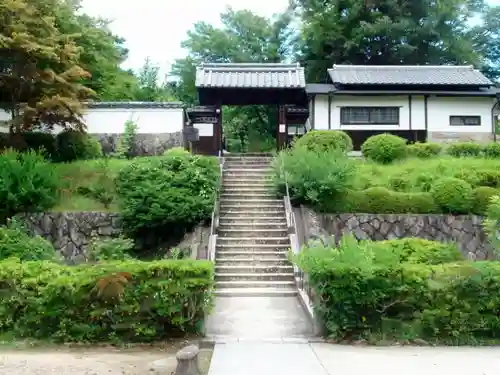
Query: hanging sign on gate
[{"x": 191, "y": 133}]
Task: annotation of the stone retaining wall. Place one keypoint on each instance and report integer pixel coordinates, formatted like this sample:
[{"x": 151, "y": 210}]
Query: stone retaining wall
[
  {"x": 147, "y": 144},
  {"x": 465, "y": 231},
  {"x": 71, "y": 232}
]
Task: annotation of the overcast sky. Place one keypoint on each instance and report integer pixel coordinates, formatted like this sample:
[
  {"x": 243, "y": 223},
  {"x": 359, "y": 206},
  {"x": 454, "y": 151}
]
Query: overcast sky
[{"x": 155, "y": 28}]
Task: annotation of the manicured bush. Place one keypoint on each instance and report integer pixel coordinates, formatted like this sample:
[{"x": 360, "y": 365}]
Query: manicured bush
[
  {"x": 453, "y": 195},
  {"x": 481, "y": 199},
  {"x": 176, "y": 151},
  {"x": 27, "y": 183},
  {"x": 424, "y": 150},
  {"x": 16, "y": 243},
  {"x": 384, "y": 148},
  {"x": 464, "y": 149},
  {"x": 313, "y": 177},
  {"x": 115, "y": 301},
  {"x": 364, "y": 290},
  {"x": 325, "y": 140},
  {"x": 44, "y": 143},
  {"x": 383, "y": 201},
  {"x": 492, "y": 150},
  {"x": 74, "y": 145},
  {"x": 127, "y": 143},
  {"x": 168, "y": 194}
]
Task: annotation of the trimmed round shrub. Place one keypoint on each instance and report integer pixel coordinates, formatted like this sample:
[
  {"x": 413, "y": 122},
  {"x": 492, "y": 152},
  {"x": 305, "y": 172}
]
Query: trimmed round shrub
[
  {"x": 424, "y": 150},
  {"x": 464, "y": 149},
  {"x": 453, "y": 195},
  {"x": 73, "y": 145},
  {"x": 384, "y": 148},
  {"x": 418, "y": 250},
  {"x": 28, "y": 183},
  {"x": 492, "y": 150},
  {"x": 42, "y": 142},
  {"x": 325, "y": 140},
  {"x": 176, "y": 151},
  {"x": 482, "y": 197}
]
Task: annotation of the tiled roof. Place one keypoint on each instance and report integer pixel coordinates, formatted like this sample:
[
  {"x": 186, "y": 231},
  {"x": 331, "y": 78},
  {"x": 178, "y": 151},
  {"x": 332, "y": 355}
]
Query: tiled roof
[
  {"x": 134, "y": 104},
  {"x": 251, "y": 75},
  {"x": 407, "y": 75}
]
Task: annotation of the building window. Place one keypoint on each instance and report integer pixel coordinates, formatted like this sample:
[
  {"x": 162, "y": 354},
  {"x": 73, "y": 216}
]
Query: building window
[
  {"x": 465, "y": 120},
  {"x": 369, "y": 115}
]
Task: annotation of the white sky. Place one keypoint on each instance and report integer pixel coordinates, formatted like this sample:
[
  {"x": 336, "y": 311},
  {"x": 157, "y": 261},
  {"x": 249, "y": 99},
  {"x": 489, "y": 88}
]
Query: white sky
[{"x": 155, "y": 28}]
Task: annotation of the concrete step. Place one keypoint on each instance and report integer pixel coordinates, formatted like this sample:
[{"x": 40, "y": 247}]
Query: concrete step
[
  {"x": 256, "y": 292},
  {"x": 252, "y": 233},
  {"x": 250, "y": 268},
  {"x": 250, "y": 218},
  {"x": 252, "y": 260},
  {"x": 251, "y": 205},
  {"x": 244, "y": 189},
  {"x": 263, "y": 201},
  {"x": 248, "y": 155},
  {"x": 286, "y": 276},
  {"x": 249, "y": 225},
  {"x": 254, "y": 284},
  {"x": 251, "y": 211},
  {"x": 257, "y": 255},
  {"x": 252, "y": 241},
  {"x": 235, "y": 195},
  {"x": 247, "y": 164},
  {"x": 235, "y": 182}
]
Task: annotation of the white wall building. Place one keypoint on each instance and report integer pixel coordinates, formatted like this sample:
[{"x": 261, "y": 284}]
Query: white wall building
[{"x": 435, "y": 103}]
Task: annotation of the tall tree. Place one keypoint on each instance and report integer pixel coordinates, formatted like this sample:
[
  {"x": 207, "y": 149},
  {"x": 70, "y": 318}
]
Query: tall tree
[
  {"x": 40, "y": 78},
  {"x": 384, "y": 32},
  {"x": 243, "y": 37},
  {"x": 486, "y": 36},
  {"x": 151, "y": 88}
]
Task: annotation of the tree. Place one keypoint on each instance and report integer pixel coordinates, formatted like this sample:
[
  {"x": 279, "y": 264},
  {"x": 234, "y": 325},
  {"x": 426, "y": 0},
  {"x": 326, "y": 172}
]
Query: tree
[
  {"x": 150, "y": 87},
  {"x": 384, "y": 32},
  {"x": 486, "y": 36},
  {"x": 243, "y": 37},
  {"x": 40, "y": 78}
]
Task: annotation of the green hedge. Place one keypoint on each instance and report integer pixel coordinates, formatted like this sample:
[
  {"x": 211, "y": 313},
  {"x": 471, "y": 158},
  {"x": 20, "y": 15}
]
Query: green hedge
[
  {"x": 365, "y": 291},
  {"x": 115, "y": 301}
]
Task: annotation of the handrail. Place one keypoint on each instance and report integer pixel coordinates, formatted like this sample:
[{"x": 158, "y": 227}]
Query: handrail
[
  {"x": 216, "y": 213},
  {"x": 290, "y": 219}
]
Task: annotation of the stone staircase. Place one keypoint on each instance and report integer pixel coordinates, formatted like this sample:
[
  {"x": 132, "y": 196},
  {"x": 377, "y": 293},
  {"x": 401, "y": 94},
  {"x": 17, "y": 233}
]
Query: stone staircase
[{"x": 252, "y": 242}]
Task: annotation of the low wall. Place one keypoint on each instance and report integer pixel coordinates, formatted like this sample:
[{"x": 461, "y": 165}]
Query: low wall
[
  {"x": 71, "y": 232},
  {"x": 146, "y": 144},
  {"x": 465, "y": 231}
]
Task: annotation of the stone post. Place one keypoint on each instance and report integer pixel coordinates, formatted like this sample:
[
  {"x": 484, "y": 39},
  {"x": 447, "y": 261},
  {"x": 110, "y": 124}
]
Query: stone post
[{"x": 187, "y": 361}]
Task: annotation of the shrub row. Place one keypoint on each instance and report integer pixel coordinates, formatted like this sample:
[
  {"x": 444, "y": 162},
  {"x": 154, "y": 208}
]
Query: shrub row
[
  {"x": 405, "y": 289},
  {"x": 115, "y": 301},
  {"x": 69, "y": 145}
]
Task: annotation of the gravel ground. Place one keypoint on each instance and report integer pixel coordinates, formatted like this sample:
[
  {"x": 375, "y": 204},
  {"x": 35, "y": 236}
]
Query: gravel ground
[{"x": 107, "y": 361}]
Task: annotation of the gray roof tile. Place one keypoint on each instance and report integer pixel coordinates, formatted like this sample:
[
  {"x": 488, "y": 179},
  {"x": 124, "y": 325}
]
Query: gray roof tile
[
  {"x": 407, "y": 75},
  {"x": 134, "y": 105},
  {"x": 251, "y": 75}
]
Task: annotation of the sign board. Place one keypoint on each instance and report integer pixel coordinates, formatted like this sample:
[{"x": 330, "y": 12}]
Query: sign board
[
  {"x": 191, "y": 133},
  {"x": 205, "y": 119},
  {"x": 282, "y": 128},
  {"x": 205, "y": 129}
]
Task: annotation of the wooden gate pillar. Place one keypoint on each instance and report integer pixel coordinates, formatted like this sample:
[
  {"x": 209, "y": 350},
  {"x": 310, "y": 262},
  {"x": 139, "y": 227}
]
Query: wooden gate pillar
[{"x": 281, "y": 134}]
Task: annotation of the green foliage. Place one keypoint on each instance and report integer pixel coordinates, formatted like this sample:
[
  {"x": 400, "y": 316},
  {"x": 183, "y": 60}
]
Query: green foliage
[
  {"x": 167, "y": 194},
  {"x": 424, "y": 150},
  {"x": 403, "y": 290},
  {"x": 75, "y": 145},
  {"x": 492, "y": 150},
  {"x": 453, "y": 195},
  {"x": 176, "y": 151},
  {"x": 27, "y": 183},
  {"x": 15, "y": 242},
  {"x": 44, "y": 143},
  {"x": 464, "y": 149},
  {"x": 110, "y": 249},
  {"x": 384, "y": 148},
  {"x": 325, "y": 140},
  {"x": 313, "y": 177},
  {"x": 127, "y": 144},
  {"x": 120, "y": 301},
  {"x": 103, "y": 189},
  {"x": 481, "y": 199},
  {"x": 492, "y": 223}
]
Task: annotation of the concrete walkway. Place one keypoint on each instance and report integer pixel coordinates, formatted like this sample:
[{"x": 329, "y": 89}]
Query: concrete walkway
[{"x": 264, "y": 358}]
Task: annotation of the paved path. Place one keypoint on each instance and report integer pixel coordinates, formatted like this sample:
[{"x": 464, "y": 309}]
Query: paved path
[
  {"x": 250, "y": 358},
  {"x": 258, "y": 317}
]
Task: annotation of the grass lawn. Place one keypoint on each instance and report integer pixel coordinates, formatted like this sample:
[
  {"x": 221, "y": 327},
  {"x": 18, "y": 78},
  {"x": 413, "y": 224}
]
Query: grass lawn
[
  {"x": 86, "y": 174},
  {"x": 417, "y": 175}
]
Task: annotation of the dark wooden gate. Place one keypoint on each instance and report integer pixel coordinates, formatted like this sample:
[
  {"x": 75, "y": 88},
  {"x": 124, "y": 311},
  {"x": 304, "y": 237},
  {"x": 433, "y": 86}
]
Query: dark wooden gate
[{"x": 207, "y": 120}]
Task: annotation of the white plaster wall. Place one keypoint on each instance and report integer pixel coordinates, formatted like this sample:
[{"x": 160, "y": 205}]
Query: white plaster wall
[
  {"x": 440, "y": 109},
  {"x": 112, "y": 120}
]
